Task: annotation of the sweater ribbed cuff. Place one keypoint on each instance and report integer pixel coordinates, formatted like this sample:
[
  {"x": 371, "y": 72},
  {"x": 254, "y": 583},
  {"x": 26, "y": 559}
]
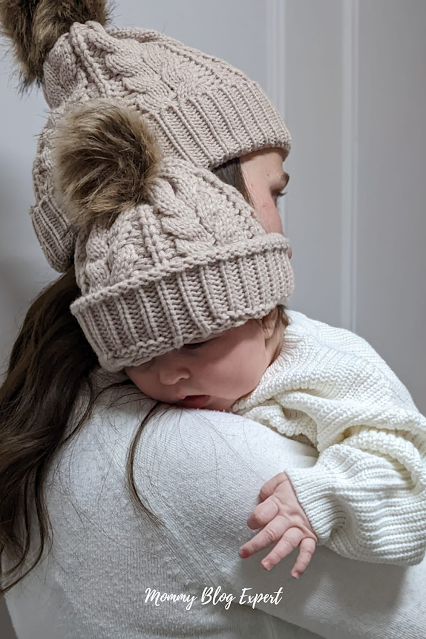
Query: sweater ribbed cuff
[
  {"x": 315, "y": 490},
  {"x": 362, "y": 507}
]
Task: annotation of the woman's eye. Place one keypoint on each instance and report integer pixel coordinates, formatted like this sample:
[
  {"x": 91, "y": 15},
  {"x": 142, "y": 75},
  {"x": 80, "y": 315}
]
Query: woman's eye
[{"x": 280, "y": 194}]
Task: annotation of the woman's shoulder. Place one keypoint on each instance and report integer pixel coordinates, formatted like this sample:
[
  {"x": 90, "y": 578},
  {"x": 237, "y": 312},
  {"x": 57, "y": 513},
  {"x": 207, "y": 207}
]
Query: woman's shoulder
[
  {"x": 115, "y": 570},
  {"x": 199, "y": 473},
  {"x": 174, "y": 442}
]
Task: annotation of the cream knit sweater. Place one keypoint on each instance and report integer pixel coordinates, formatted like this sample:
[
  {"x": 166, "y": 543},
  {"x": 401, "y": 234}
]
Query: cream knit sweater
[{"x": 365, "y": 497}]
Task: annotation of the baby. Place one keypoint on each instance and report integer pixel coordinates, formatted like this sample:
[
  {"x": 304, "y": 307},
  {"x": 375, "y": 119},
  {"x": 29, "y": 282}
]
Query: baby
[{"x": 327, "y": 388}]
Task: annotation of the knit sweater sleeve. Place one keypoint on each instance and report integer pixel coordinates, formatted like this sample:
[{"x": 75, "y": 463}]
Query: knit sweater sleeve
[{"x": 366, "y": 495}]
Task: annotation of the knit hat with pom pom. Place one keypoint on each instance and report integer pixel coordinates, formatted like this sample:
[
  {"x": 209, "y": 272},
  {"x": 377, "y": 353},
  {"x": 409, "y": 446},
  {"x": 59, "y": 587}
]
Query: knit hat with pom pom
[
  {"x": 200, "y": 108},
  {"x": 183, "y": 256}
]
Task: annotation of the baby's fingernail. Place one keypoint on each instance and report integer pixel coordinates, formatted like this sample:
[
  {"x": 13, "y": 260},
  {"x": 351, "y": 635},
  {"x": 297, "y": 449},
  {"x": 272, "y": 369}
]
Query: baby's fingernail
[{"x": 296, "y": 575}]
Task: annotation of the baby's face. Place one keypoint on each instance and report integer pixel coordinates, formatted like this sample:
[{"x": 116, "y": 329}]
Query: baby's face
[{"x": 215, "y": 372}]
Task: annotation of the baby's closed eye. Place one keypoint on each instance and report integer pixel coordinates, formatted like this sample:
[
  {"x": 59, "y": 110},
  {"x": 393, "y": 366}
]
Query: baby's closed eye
[{"x": 193, "y": 346}]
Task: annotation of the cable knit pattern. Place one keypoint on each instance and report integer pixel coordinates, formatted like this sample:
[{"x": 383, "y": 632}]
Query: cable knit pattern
[
  {"x": 199, "y": 107},
  {"x": 192, "y": 260},
  {"x": 366, "y": 495}
]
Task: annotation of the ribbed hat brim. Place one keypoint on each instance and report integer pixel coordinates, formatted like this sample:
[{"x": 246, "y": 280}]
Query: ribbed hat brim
[
  {"x": 210, "y": 128},
  {"x": 152, "y": 313}
]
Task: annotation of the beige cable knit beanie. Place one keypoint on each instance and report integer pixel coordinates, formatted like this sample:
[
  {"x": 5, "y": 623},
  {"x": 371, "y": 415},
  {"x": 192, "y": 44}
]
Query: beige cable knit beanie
[
  {"x": 190, "y": 258},
  {"x": 199, "y": 107}
]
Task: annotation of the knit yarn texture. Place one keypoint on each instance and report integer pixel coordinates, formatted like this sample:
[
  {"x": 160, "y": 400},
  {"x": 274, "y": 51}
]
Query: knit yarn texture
[
  {"x": 200, "y": 108},
  {"x": 190, "y": 261}
]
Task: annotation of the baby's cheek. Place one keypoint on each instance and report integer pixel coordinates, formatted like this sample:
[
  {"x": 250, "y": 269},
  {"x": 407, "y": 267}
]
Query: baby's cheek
[
  {"x": 135, "y": 379},
  {"x": 237, "y": 380},
  {"x": 217, "y": 379},
  {"x": 140, "y": 385},
  {"x": 138, "y": 380}
]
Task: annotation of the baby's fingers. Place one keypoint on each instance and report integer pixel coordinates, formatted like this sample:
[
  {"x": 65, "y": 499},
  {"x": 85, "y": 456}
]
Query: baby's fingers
[
  {"x": 306, "y": 550},
  {"x": 269, "y": 487},
  {"x": 265, "y": 537},
  {"x": 263, "y": 514},
  {"x": 284, "y": 547}
]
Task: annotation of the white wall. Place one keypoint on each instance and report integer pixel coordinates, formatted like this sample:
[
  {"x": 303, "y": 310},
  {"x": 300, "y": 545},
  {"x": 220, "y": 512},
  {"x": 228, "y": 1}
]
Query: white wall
[
  {"x": 355, "y": 90},
  {"x": 350, "y": 77},
  {"x": 391, "y": 256},
  {"x": 313, "y": 113}
]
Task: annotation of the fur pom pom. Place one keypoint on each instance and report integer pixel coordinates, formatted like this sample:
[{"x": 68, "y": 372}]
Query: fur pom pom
[
  {"x": 35, "y": 25},
  {"x": 105, "y": 158}
]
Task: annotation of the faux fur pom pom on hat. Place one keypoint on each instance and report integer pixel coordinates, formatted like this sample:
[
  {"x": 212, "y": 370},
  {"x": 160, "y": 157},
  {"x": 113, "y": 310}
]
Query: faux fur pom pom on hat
[
  {"x": 105, "y": 159},
  {"x": 34, "y": 26}
]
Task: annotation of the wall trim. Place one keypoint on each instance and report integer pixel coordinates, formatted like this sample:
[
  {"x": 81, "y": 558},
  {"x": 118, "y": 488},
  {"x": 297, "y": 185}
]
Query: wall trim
[
  {"x": 275, "y": 68},
  {"x": 350, "y": 71}
]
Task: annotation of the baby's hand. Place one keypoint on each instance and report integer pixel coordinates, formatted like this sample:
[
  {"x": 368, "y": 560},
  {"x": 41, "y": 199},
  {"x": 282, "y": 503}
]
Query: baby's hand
[{"x": 282, "y": 520}]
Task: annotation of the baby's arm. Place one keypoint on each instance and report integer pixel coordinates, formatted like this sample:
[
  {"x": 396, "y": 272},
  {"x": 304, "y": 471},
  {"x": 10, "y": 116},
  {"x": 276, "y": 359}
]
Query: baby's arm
[
  {"x": 366, "y": 495},
  {"x": 365, "y": 498}
]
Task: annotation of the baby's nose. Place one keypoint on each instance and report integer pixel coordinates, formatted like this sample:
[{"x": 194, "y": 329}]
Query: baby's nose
[{"x": 171, "y": 374}]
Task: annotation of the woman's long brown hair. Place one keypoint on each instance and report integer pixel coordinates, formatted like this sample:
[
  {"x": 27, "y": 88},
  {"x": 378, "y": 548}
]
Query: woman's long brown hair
[{"x": 49, "y": 364}]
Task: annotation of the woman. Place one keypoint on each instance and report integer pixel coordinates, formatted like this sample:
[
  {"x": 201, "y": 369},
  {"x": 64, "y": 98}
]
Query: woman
[{"x": 138, "y": 515}]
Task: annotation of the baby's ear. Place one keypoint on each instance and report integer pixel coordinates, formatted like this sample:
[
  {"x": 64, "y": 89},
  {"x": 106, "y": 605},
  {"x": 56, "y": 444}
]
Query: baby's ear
[{"x": 269, "y": 322}]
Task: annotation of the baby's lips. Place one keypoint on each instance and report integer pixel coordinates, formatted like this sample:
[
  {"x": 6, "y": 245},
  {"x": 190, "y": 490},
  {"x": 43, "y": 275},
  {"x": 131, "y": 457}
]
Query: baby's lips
[{"x": 194, "y": 401}]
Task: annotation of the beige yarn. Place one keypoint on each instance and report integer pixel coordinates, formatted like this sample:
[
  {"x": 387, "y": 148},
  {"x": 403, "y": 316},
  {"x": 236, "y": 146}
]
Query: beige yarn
[
  {"x": 191, "y": 261},
  {"x": 199, "y": 107}
]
